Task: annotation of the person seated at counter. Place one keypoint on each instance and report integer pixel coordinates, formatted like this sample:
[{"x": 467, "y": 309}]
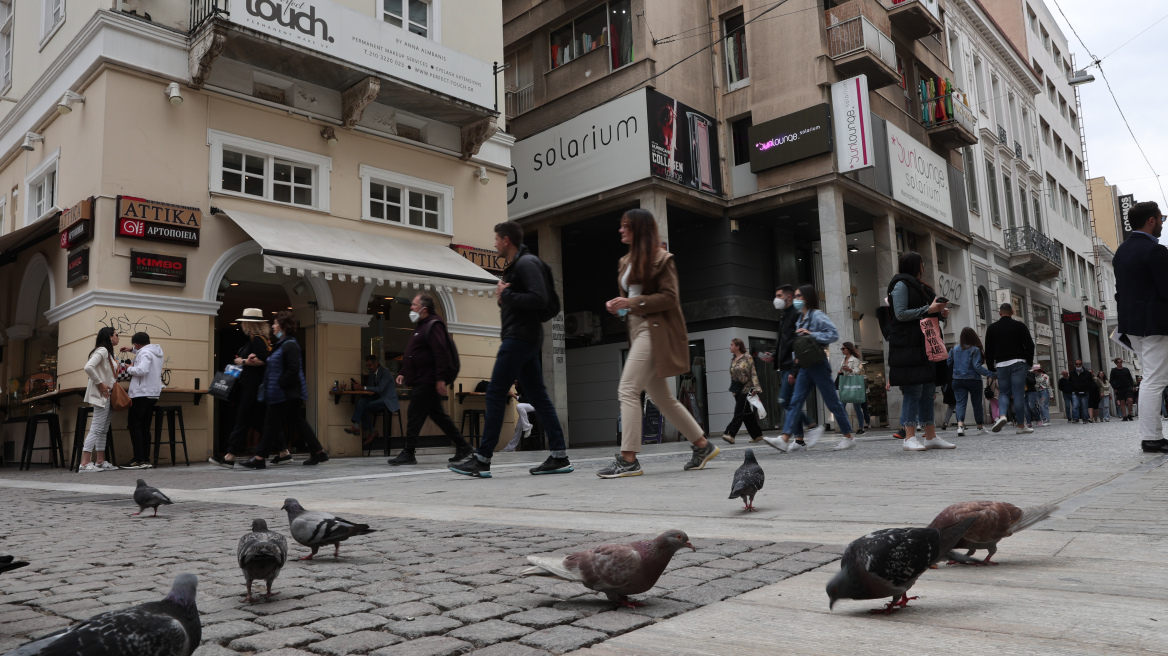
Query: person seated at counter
[{"x": 381, "y": 383}]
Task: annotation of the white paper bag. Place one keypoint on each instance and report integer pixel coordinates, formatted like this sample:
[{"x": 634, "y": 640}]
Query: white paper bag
[{"x": 757, "y": 404}]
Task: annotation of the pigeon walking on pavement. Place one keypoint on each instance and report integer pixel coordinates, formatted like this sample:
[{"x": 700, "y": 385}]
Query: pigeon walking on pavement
[
  {"x": 993, "y": 521},
  {"x": 617, "y": 570},
  {"x": 747, "y": 481},
  {"x": 261, "y": 554},
  {"x": 316, "y": 528},
  {"x": 149, "y": 497},
  {"x": 170, "y": 627},
  {"x": 9, "y": 563},
  {"x": 886, "y": 563}
]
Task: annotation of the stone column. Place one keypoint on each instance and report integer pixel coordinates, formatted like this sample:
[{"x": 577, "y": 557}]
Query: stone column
[
  {"x": 884, "y": 238},
  {"x": 656, "y": 203},
  {"x": 555, "y": 359},
  {"x": 837, "y": 284},
  {"x": 928, "y": 245}
]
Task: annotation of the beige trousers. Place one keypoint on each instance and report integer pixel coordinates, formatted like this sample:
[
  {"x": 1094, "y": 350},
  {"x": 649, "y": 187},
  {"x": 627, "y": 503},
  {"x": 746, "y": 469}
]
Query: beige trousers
[{"x": 639, "y": 375}]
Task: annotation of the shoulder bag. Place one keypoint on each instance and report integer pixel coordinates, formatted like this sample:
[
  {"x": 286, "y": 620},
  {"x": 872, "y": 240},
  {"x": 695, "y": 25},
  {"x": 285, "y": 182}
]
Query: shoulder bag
[{"x": 119, "y": 399}]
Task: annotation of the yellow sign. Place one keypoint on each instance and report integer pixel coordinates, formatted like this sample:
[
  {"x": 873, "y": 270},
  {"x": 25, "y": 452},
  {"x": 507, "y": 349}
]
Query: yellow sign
[{"x": 487, "y": 259}]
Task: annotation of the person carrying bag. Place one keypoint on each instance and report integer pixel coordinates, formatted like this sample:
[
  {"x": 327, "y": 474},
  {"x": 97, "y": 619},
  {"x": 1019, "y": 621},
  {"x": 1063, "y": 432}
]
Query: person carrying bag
[
  {"x": 745, "y": 388},
  {"x": 852, "y": 384}
]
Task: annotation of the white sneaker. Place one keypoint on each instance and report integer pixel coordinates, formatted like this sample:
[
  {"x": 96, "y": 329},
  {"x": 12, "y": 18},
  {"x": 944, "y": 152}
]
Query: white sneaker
[
  {"x": 1022, "y": 430},
  {"x": 813, "y": 435},
  {"x": 106, "y": 465},
  {"x": 90, "y": 468},
  {"x": 998, "y": 424},
  {"x": 938, "y": 443},
  {"x": 845, "y": 444},
  {"x": 979, "y": 431},
  {"x": 778, "y": 443},
  {"x": 913, "y": 444},
  {"x": 795, "y": 446},
  {"x": 960, "y": 430}
]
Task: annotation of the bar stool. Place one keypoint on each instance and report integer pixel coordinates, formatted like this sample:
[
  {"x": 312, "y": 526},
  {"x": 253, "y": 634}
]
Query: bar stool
[
  {"x": 55, "y": 448},
  {"x": 476, "y": 429},
  {"x": 387, "y": 426},
  {"x": 170, "y": 412},
  {"x": 80, "y": 430}
]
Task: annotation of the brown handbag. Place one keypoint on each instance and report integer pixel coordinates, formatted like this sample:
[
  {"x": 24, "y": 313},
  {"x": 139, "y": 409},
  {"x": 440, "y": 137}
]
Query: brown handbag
[{"x": 119, "y": 399}]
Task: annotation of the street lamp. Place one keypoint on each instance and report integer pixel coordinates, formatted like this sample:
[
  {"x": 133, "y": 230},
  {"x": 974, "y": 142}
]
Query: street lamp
[{"x": 1080, "y": 77}]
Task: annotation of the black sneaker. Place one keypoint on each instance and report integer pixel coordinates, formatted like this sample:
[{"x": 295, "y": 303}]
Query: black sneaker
[
  {"x": 215, "y": 460},
  {"x": 553, "y": 465},
  {"x": 1154, "y": 446},
  {"x": 620, "y": 469},
  {"x": 277, "y": 459},
  {"x": 255, "y": 463},
  {"x": 472, "y": 466},
  {"x": 405, "y": 457},
  {"x": 134, "y": 464},
  {"x": 315, "y": 459},
  {"x": 461, "y": 454},
  {"x": 702, "y": 456}
]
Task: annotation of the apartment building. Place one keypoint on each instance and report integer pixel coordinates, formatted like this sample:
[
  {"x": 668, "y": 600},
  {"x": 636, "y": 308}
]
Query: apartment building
[{"x": 167, "y": 164}]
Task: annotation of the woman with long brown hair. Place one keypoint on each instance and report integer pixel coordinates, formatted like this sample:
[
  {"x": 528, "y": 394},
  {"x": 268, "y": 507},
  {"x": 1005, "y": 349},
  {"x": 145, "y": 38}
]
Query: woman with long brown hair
[
  {"x": 966, "y": 363},
  {"x": 853, "y": 365},
  {"x": 658, "y": 343},
  {"x": 743, "y": 385}
]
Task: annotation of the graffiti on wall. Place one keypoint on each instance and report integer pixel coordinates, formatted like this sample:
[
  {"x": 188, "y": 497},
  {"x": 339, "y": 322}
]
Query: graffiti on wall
[{"x": 149, "y": 324}]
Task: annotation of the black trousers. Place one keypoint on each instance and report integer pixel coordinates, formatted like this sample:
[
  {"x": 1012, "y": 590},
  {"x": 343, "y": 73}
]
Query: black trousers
[
  {"x": 277, "y": 414},
  {"x": 741, "y": 416},
  {"x": 249, "y": 414},
  {"x": 425, "y": 402},
  {"x": 138, "y": 423}
]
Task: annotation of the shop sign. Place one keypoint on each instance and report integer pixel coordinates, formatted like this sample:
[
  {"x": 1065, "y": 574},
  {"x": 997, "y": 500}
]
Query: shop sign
[
  {"x": 1043, "y": 330},
  {"x": 371, "y": 43},
  {"x": 79, "y": 233},
  {"x": 1094, "y": 313},
  {"x": 790, "y": 138},
  {"x": 920, "y": 177},
  {"x": 78, "y": 267},
  {"x": 76, "y": 224},
  {"x": 683, "y": 144},
  {"x": 1072, "y": 317},
  {"x": 1125, "y": 204},
  {"x": 158, "y": 268},
  {"x": 487, "y": 259},
  {"x": 157, "y": 221},
  {"x": 852, "y": 117}
]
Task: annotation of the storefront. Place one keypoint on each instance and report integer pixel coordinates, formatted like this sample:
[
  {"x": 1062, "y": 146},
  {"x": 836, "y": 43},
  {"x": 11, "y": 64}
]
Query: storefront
[
  {"x": 1095, "y": 339},
  {"x": 1071, "y": 321}
]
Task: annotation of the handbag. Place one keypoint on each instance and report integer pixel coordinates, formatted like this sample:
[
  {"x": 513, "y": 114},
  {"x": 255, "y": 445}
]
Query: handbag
[
  {"x": 757, "y": 404},
  {"x": 989, "y": 394},
  {"x": 119, "y": 399},
  {"x": 736, "y": 387},
  {"x": 808, "y": 351},
  {"x": 934, "y": 342},
  {"x": 222, "y": 385},
  {"x": 852, "y": 388}
]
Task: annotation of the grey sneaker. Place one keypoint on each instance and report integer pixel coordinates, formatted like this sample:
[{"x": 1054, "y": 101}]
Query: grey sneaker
[
  {"x": 620, "y": 468},
  {"x": 702, "y": 456}
]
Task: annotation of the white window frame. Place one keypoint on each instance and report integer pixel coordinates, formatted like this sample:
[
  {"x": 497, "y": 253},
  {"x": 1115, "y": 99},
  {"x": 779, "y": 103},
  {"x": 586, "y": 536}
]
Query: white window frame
[
  {"x": 433, "y": 13},
  {"x": 321, "y": 164},
  {"x": 407, "y": 183},
  {"x": 7, "y": 37},
  {"x": 3, "y": 212},
  {"x": 47, "y": 29},
  {"x": 48, "y": 166}
]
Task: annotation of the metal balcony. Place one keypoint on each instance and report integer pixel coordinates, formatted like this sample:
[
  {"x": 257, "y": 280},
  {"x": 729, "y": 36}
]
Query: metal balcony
[
  {"x": 914, "y": 18},
  {"x": 958, "y": 127},
  {"x": 520, "y": 100},
  {"x": 1033, "y": 254},
  {"x": 858, "y": 47}
]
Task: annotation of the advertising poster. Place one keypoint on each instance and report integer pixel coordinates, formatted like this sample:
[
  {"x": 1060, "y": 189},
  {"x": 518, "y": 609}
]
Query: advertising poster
[
  {"x": 805, "y": 133},
  {"x": 683, "y": 144},
  {"x": 1125, "y": 204},
  {"x": 920, "y": 177},
  {"x": 854, "y": 146}
]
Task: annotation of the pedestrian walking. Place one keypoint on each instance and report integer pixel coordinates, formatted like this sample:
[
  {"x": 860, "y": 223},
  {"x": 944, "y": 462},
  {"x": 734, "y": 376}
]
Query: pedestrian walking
[
  {"x": 947, "y": 395},
  {"x": 145, "y": 388},
  {"x": 249, "y": 410},
  {"x": 428, "y": 367},
  {"x": 1104, "y": 397},
  {"x": 1009, "y": 352},
  {"x": 1043, "y": 385},
  {"x": 991, "y": 395},
  {"x": 1067, "y": 390},
  {"x": 743, "y": 385},
  {"x": 1093, "y": 397},
  {"x": 524, "y": 294},
  {"x": 285, "y": 393},
  {"x": 384, "y": 399},
  {"x": 1081, "y": 383},
  {"x": 785, "y": 356},
  {"x": 1122, "y": 389},
  {"x": 1033, "y": 398},
  {"x": 523, "y": 424},
  {"x": 1142, "y": 296},
  {"x": 966, "y": 363},
  {"x": 658, "y": 344},
  {"x": 814, "y": 369},
  {"x": 853, "y": 365},
  {"x": 102, "y": 371}
]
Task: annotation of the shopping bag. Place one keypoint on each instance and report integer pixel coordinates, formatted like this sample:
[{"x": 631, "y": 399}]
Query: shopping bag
[
  {"x": 757, "y": 404},
  {"x": 224, "y": 382},
  {"x": 852, "y": 389},
  {"x": 934, "y": 342}
]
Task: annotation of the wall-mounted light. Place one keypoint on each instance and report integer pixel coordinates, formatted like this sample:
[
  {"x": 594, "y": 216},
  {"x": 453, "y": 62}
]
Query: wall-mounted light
[
  {"x": 30, "y": 138},
  {"x": 734, "y": 225},
  {"x": 174, "y": 93},
  {"x": 853, "y": 249},
  {"x": 65, "y": 105},
  {"x": 329, "y": 135},
  {"x": 481, "y": 174}
]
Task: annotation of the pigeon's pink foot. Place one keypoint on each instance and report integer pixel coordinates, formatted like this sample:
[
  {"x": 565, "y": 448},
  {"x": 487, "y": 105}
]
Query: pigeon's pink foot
[
  {"x": 135, "y": 514},
  {"x": 987, "y": 561},
  {"x": 628, "y": 603},
  {"x": 308, "y": 557},
  {"x": 904, "y": 600}
]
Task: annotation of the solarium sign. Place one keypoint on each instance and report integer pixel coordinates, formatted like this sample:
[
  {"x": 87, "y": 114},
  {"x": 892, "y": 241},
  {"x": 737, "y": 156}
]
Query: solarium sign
[{"x": 920, "y": 177}]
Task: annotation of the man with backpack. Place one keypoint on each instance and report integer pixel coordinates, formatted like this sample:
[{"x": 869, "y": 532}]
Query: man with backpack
[
  {"x": 429, "y": 364},
  {"x": 527, "y": 298}
]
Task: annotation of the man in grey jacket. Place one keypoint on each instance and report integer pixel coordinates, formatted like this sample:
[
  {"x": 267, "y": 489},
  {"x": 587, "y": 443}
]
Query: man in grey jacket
[
  {"x": 145, "y": 387},
  {"x": 384, "y": 397}
]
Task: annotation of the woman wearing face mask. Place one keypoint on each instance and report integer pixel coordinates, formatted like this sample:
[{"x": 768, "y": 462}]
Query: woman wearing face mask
[
  {"x": 743, "y": 385},
  {"x": 285, "y": 392},
  {"x": 813, "y": 323}
]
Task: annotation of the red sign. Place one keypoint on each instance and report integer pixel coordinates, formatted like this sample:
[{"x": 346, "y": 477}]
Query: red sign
[
  {"x": 1072, "y": 317},
  {"x": 79, "y": 233},
  {"x": 157, "y": 221},
  {"x": 158, "y": 268},
  {"x": 1094, "y": 313}
]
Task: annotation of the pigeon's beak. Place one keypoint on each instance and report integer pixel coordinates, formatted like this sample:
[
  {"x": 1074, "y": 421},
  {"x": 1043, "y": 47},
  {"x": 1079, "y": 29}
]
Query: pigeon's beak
[
  {"x": 831, "y": 605},
  {"x": 690, "y": 545}
]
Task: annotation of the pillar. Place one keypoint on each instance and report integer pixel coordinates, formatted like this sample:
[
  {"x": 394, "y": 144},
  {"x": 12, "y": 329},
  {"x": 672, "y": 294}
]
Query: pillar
[
  {"x": 655, "y": 202},
  {"x": 928, "y": 245},
  {"x": 555, "y": 358},
  {"x": 884, "y": 238},
  {"x": 837, "y": 284}
]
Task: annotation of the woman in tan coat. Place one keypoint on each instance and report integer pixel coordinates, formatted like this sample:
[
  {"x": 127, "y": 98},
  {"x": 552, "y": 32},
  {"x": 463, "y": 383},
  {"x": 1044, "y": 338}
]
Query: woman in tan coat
[{"x": 658, "y": 343}]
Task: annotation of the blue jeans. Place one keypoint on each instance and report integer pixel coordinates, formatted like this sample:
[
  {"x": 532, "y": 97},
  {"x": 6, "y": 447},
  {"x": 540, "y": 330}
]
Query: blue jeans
[
  {"x": 519, "y": 360},
  {"x": 1105, "y": 407},
  {"x": 918, "y": 402},
  {"x": 861, "y": 413},
  {"x": 1012, "y": 386},
  {"x": 786, "y": 389},
  {"x": 969, "y": 392},
  {"x": 1033, "y": 407},
  {"x": 818, "y": 375},
  {"x": 1079, "y": 409},
  {"x": 366, "y": 407},
  {"x": 1046, "y": 406},
  {"x": 1069, "y": 406}
]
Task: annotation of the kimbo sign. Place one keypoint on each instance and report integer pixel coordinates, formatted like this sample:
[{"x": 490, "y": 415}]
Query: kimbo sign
[{"x": 158, "y": 268}]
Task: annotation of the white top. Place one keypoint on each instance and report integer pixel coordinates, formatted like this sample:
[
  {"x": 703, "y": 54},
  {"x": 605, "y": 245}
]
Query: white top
[
  {"x": 146, "y": 372},
  {"x": 100, "y": 370},
  {"x": 1008, "y": 362},
  {"x": 632, "y": 290}
]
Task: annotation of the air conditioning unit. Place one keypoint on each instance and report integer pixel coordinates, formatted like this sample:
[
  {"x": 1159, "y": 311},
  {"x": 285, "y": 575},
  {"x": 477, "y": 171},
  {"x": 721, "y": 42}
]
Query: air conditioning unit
[{"x": 580, "y": 324}]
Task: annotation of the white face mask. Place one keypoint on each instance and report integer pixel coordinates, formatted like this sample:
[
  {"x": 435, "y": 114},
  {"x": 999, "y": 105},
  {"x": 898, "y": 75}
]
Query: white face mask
[
  {"x": 780, "y": 303},
  {"x": 414, "y": 316}
]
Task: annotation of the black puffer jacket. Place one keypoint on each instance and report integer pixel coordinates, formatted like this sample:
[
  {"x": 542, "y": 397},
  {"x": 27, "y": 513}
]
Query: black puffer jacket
[
  {"x": 521, "y": 303},
  {"x": 908, "y": 362}
]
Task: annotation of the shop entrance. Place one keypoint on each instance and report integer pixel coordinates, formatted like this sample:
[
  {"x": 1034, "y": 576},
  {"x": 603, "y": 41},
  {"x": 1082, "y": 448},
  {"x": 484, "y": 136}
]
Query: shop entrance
[{"x": 1095, "y": 348}]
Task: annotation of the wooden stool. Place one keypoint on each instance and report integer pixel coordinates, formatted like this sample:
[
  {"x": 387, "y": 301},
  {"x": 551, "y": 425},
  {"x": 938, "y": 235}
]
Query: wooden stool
[
  {"x": 55, "y": 448},
  {"x": 80, "y": 431},
  {"x": 170, "y": 412},
  {"x": 476, "y": 429},
  {"x": 387, "y": 426}
]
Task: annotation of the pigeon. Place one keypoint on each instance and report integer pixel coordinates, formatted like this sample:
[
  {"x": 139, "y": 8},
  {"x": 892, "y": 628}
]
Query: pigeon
[
  {"x": 886, "y": 563},
  {"x": 170, "y": 627},
  {"x": 261, "y": 554},
  {"x": 9, "y": 563},
  {"x": 149, "y": 497},
  {"x": 994, "y": 520},
  {"x": 747, "y": 481},
  {"x": 316, "y": 528},
  {"x": 617, "y": 570}
]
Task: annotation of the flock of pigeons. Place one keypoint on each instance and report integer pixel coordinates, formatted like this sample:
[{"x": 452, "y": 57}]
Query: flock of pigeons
[{"x": 882, "y": 564}]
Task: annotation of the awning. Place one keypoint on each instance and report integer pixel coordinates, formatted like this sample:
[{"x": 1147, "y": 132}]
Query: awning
[
  {"x": 16, "y": 241},
  {"x": 306, "y": 249}
]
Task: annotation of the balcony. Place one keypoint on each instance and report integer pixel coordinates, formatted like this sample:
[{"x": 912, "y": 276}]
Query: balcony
[
  {"x": 914, "y": 18},
  {"x": 1033, "y": 254},
  {"x": 858, "y": 47},
  {"x": 951, "y": 123},
  {"x": 520, "y": 100}
]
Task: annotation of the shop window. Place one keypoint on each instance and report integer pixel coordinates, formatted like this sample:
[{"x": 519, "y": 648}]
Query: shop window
[
  {"x": 413, "y": 15},
  {"x": 992, "y": 190},
  {"x": 398, "y": 199},
  {"x": 6, "y": 34},
  {"x": 265, "y": 171},
  {"x": 40, "y": 188},
  {"x": 737, "y": 72},
  {"x": 52, "y": 17},
  {"x": 740, "y": 130},
  {"x": 983, "y": 303},
  {"x": 971, "y": 180}
]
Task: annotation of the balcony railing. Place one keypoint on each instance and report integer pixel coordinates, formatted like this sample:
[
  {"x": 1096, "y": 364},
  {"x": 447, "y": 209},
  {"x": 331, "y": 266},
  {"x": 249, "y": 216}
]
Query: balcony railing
[
  {"x": 520, "y": 100},
  {"x": 856, "y": 35},
  {"x": 202, "y": 10},
  {"x": 1029, "y": 239},
  {"x": 949, "y": 109}
]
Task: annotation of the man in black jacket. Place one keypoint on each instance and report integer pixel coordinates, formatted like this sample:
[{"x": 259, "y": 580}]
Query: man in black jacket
[
  {"x": 1141, "y": 286},
  {"x": 785, "y": 355},
  {"x": 1009, "y": 351},
  {"x": 427, "y": 367},
  {"x": 1081, "y": 382},
  {"x": 523, "y": 295},
  {"x": 1064, "y": 388},
  {"x": 1123, "y": 386}
]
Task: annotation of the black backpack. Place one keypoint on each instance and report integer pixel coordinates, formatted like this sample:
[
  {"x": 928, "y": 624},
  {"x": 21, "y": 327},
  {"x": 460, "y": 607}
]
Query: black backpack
[
  {"x": 1031, "y": 381},
  {"x": 455, "y": 362},
  {"x": 553, "y": 307}
]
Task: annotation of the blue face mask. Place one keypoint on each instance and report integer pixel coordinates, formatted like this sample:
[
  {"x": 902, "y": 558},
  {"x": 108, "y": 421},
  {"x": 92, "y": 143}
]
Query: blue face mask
[
  {"x": 279, "y": 335},
  {"x": 798, "y": 303}
]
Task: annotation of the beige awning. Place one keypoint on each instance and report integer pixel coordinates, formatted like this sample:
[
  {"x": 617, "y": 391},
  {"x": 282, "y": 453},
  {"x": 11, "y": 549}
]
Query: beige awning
[
  {"x": 16, "y": 241},
  {"x": 307, "y": 249}
]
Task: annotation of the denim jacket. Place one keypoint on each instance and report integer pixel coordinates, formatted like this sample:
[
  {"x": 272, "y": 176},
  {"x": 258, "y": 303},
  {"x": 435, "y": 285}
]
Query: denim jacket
[
  {"x": 966, "y": 363},
  {"x": 820, "y": 327}
]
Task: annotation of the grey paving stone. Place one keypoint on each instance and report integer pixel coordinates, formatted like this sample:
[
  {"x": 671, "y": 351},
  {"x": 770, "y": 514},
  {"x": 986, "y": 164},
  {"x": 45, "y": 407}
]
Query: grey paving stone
[
  {"x": 225, "y": 616},
  {"x": 395, "y": 597},
  {"x": 543, "y": 618},
  {"x": 442, "y": 587},
  {"x": 699, "y": 572},
  {"x": 431, "y": 646},
  {"x": 286, "y": 651},
  {"x": 614, "y": 623},
  {"x": 337, "y": 608},
  {"x": 453, "y": 600},
  {"x": 274, "y": 607},
  {"x": 210, "y": 649},
  {"x": 504, "y": 589},
  {"x": 343, "y": 624},
  {"x": 296, "y": 617},
  {"x": 358, "y": 642},
  {"x": 700, "y": 594},
  {"x": 730, "y": 564},
  {"x": 736, "y": 584},
  {"x": 766, "y": 576},
  {"x": 757, "y": 557},
  {"x": 411, "y": 609},
  {"x": 527, "y": 600},
  {"x": 481, "y": 612},
  {"x": 509, "y": 649},
  {"x": 227, "y": 631},
  {"x": 560, "y": 639},
  {"x": 423, "y": 626},
  {"x": 483, "y": 634},
  {"x": 290, "y": 637},
  {"x": 587, "y": 605},
  {"x": 659, "y": 608}
]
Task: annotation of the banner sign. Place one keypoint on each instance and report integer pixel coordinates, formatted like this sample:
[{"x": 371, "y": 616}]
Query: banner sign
[
  {"x": 1072, "y": 317},
  {"x": 82, "y": 211},
  {"x": 683, "y": 144},
  {"x": 368, "y": 41},
  {"x": 790, "y": 138},
  {"x": 79, "y": 233},
  {"x": 156, "y": 221},
  {"x": 158, "y": 268},
  {"x": 78, "y": 267},
  {"x": 487, "y": 259},
  {"x": 1094, "y": 313},
  {"x": 920, "y": 177},
  {"x": 1125, "y": 204},
  {"x": 852, "y": 117}
]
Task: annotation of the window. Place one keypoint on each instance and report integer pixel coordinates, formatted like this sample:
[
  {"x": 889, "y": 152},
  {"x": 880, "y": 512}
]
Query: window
[
  {"x": 519, "y": 81},
  {"x": 739, "y": 130},
  {"x": 1070, "y": 261},
  {"x": 1013, "y": 106},
  {"x": 734, "y": 33},
  {"x": 1058, "y": 145},
  {"x": 1055, "y": 52},
  {"x": 1050, "y": 92},
  {"x": 1091, "y": 277},
  {"x": 1061, "y": 251},
  {"x": 610, "y": 24},
  {"x": 1066, "y": 205},
  {"x": 956, "y": 59},
  {"x": 1045, "y": 37},
  {"x": 1008, "y": 188},
  {"x": 1069, "y": 157},
  {"x": 996, "y": 89},
  {"x": 1079, "y": 168},
  {"x": 1086, "y": 220},
  {"x": 1045, "y": 129},
  {"x": 971, "y": 180},
  {"x": 1075, "y": 212},
  {"x": 1022, "y": 205},
  {"x": 1032, "y": 19},
  {"x": 40, "y": 189},
  {"x": 413, "y": 15},
  {"x": 403, "y": 200},
  {"x": 979, "y": 82},
  {"x": 992, "y": 190},
  {"x": 265, "y": 171},
  {"x": 1053, "y": 198},
  {"x": 1062, "y": 104},
  {"x": 3, "y": 207},
  {"x": 1037, "y": 213},
  {"x": 1037, "y": 69},
  {"x": 1027, "y": 144},
  {"x": 52, "y": 16},
  {"x": 1074, "y": 121},
  {"x": 6, "y": 36}
]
